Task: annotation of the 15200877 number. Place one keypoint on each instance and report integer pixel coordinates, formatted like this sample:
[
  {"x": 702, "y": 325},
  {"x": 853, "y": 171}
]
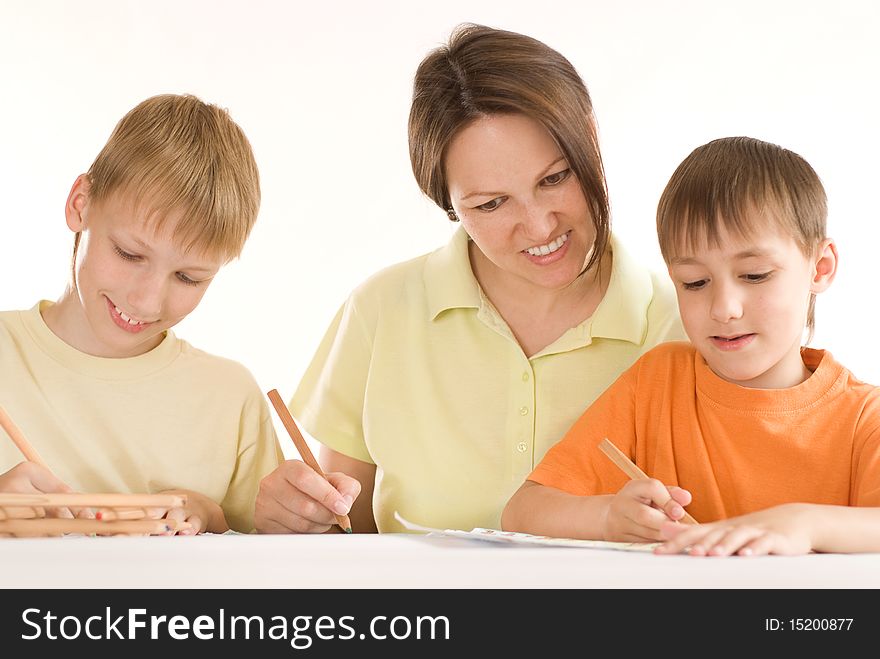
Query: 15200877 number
[{"x": 820, "y": 624}]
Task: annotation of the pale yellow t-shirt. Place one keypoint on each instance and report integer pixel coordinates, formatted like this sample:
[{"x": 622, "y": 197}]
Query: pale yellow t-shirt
[
  {"x": 175, "y": 417},
  {"x": 420, "y": 375}
]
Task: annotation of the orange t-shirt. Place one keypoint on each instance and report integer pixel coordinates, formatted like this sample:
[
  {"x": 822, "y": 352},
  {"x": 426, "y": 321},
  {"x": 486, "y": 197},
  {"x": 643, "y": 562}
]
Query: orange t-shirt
[{"x": 737, "y": 450}]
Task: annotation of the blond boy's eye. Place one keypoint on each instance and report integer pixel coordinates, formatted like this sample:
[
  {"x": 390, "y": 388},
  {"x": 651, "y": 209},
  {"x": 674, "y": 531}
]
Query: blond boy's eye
[
  {"x": 125, "y": 255},
  {"x": 186, "y": 280}
]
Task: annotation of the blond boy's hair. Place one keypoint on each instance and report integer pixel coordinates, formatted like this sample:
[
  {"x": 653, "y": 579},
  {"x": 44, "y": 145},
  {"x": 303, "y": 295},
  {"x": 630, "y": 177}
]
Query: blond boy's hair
[
  {"x": 176, "y": 154},
  {"x": 745, "y": 186}
]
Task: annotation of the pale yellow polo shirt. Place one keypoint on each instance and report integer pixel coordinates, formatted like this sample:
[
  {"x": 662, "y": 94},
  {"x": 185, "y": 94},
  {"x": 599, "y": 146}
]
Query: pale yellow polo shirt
[{"x": 420, "y": 375}]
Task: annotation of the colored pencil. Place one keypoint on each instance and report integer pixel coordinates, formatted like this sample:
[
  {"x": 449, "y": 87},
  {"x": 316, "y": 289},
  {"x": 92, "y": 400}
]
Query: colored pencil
[
  {"x": 299, "y": 441},
  {"x": 54, "y": 526},
  {"x": 87, "y": 500},
  {"x": 628, "y": 467},
  {"x": 110, "y": 514},
  {"x": 30, "y": 454}
]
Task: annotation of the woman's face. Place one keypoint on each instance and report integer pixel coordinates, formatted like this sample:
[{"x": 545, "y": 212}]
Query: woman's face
[{"x": 518, "y": 200}]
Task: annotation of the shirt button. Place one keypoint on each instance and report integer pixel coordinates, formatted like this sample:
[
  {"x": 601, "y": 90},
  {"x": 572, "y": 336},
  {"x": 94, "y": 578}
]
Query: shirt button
[
  {"x": 521, "y": 447},
  {"x": 526, "y": 376},
  {"x": 523, "y": 411}
]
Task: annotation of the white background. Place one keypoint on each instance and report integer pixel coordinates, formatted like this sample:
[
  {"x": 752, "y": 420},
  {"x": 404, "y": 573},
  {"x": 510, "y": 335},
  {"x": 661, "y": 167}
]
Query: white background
[{"x": 322, "y": 90}]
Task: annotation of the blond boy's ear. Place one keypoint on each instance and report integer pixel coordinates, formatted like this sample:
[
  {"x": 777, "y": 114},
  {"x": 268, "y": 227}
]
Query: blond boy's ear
[
  {"x": 824, "y": 266},
  {"x": 76, "y": 202}
]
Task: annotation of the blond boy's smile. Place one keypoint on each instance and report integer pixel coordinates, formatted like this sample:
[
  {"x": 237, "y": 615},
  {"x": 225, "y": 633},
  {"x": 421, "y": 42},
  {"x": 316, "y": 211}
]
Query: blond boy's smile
[{"x": 123, "y": 320}]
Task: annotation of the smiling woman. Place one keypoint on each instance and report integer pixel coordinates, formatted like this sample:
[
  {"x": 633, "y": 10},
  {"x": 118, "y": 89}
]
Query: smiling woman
[
  {"x": 443, "y": 380},
  {"x": 534, "y": 233}
]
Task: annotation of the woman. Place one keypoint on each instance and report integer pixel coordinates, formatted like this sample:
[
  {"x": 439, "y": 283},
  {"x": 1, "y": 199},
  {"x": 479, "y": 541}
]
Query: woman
[{"x": 442, "y": 381}]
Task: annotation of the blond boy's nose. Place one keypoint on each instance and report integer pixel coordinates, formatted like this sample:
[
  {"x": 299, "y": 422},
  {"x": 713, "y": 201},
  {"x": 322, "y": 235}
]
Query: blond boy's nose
[{"x": 145, "y": 300}]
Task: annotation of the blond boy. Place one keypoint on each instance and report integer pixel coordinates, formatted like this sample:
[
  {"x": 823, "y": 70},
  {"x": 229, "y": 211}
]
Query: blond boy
[
  {"x": 775, "y": 448},
  {"x": 110, "y": 398}
]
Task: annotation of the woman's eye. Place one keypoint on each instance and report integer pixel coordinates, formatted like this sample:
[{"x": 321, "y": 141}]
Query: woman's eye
[
  {"x": 491, "y": 205},
  {"x": 557, "y": 178}
]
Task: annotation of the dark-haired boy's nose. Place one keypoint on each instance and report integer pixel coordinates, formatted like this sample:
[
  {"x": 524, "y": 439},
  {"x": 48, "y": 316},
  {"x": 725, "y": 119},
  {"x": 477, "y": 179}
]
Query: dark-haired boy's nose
[{"x": 725, "y": 304}]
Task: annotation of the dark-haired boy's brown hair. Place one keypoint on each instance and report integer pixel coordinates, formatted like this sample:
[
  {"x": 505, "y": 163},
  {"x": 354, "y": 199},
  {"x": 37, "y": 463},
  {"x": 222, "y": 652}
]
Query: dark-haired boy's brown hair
[{"x": 745, "y": 186}]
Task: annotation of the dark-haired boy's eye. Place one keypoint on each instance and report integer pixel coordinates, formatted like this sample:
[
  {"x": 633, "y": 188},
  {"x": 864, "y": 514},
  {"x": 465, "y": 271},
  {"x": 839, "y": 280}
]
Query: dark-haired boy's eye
[{"x": 693, "y": 285}]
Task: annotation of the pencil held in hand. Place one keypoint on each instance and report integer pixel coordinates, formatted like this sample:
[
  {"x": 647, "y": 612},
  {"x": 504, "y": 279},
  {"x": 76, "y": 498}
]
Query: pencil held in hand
[
  {"x": 301, "y": 446},
  {"x": 628, "y": 467},
  {"x": 18, "y": 438}
]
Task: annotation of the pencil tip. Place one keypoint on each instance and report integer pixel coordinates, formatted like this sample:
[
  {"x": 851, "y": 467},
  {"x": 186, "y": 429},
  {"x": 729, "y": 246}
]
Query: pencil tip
[{"x": 348, "y": 530}]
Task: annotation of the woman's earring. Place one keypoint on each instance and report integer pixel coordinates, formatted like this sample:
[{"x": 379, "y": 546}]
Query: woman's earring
[{"x": 450, "y": 213}]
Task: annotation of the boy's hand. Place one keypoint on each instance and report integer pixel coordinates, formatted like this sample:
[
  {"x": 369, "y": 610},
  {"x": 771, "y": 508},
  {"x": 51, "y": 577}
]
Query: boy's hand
[
  {"x": 31, "y": 478},
  {"x": 641, "y": 507},
  {"x": 202, "y": 513},
  {"x": 778, "y": 530},
  {"x": 295, "y": 499}
]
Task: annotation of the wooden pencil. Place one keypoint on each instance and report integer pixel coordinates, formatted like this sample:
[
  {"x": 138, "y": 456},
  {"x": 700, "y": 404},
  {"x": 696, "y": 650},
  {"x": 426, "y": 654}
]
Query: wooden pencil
[
  {"x": 110, "y": 514},
  {"x": 299, "y": 441},
  {"x": 22, "y": 512},
  {"x": 628, "y": 467},
  {"x": 89, "y": 500},
  {"x": 29, "y": 452},
  {"x": 55, "y": 526}
]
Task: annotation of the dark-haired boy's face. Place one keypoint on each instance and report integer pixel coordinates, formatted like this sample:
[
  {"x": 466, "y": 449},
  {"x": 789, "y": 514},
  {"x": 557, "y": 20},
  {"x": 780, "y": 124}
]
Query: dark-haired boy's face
[
  {"x": 744, "y": 306},
  {"x": 133, "y": 283}
]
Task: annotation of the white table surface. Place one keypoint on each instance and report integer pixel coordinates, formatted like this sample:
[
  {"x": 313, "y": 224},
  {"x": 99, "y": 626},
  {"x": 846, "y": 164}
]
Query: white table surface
[{"x": 396, "y": 561}]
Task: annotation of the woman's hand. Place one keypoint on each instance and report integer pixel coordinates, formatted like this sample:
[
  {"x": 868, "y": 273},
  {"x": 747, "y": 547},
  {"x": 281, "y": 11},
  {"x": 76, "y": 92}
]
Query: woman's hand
[{"x": 295, "y": 499}]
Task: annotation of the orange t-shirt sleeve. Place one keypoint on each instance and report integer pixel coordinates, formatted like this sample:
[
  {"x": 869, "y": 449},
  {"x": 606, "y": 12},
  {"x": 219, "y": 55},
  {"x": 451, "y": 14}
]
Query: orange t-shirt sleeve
[
  {"x": 575, "y": 464},
  {"x": 866, "y": 456}
]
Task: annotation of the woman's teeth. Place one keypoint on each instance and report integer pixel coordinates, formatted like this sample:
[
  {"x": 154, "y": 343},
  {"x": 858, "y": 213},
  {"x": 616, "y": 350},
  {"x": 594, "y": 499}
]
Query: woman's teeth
[{"x": 549, "y": 248}]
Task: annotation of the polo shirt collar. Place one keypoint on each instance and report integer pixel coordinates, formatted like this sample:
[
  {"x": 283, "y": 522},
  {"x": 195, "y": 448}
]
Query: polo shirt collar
[
  {"x": 622, "y": 314},
  {"x": 449, "y": 279}
]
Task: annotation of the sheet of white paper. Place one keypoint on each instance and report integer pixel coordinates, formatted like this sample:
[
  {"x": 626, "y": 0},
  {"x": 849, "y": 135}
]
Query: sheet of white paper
[{"x": 508, "y": 537}]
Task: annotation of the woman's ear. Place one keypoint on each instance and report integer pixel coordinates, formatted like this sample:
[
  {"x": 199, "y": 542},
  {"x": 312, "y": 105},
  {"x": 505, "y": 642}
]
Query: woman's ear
[
  {"x": 77, "y": 200},
  {"x": 824, "y": 266}
]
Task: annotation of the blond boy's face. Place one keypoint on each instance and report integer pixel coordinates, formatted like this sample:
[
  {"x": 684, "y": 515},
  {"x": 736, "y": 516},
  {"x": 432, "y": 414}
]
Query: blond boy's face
[
  {"x": 132, "y": 283},
  {"x": 744, "y": 305}
]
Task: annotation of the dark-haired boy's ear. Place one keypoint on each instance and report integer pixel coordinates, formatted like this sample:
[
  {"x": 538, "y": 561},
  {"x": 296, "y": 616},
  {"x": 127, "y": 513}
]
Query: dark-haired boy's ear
[
  {"x": 77, "y": 200},
  {"x": 824, "y": 266}
]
